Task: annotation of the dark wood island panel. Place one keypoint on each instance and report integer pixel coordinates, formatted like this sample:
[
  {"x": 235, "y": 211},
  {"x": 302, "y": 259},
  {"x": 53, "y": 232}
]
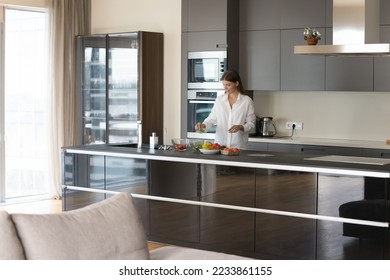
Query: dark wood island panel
[{"x": 263, "y": 205}]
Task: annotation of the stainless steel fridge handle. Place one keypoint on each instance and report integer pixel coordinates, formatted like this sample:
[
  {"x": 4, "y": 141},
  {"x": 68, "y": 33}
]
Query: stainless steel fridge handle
[{"x": 139, "y": 125}]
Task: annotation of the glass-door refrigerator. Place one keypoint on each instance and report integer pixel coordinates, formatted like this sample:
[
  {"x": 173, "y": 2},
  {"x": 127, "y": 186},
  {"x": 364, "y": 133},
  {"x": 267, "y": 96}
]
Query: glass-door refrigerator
[
  {"x": 92, "y": 83},
  {"x": 108, "y": 84},
  {"x": 123, "y": 94},
  {"x": 120, "y": 86}
]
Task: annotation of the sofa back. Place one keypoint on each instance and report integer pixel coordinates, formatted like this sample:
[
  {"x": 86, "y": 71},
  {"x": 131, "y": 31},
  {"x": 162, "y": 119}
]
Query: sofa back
[
  {"x": 110, "y": 229},
  {"x": 10, "y": 246}
]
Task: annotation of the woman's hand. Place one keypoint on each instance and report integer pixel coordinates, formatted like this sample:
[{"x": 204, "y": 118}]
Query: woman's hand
[
  {"x": 200, "y": 127},
  {"x": 236, "y": 128}
]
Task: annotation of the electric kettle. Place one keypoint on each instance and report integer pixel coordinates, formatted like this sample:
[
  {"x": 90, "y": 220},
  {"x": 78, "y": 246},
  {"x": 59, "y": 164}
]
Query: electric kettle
[{"x": 266, "y": 127}]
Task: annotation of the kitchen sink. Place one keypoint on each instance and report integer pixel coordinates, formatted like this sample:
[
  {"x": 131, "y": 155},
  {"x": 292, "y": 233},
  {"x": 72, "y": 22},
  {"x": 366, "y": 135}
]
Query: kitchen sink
[
  {"x": 143, "y": 146},
  {"x": 129, "y": 145}
]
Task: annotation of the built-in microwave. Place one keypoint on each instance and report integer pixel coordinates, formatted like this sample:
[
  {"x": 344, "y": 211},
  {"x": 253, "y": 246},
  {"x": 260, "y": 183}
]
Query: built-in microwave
[{"x": 205, "y": 69}]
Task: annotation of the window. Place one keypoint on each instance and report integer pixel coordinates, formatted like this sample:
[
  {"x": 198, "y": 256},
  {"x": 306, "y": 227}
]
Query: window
[{"x": 24, "y": 107}]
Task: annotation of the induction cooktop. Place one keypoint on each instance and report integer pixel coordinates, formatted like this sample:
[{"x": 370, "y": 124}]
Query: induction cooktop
[{"x": 352, "y": 159}]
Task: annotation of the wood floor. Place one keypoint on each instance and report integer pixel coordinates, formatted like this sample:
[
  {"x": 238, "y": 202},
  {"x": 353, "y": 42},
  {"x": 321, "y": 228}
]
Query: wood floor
[{"x": 49, "y": 206}]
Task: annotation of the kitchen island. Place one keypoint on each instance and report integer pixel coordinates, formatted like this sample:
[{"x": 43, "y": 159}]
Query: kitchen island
[{"x": 258, "y": 204}]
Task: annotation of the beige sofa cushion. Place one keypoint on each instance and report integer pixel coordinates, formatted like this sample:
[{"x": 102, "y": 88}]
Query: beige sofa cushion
[
  {"x": 182, "y": 253},
  {"x": 10, "y": 246},
  {"x": 111, "y": 229}
]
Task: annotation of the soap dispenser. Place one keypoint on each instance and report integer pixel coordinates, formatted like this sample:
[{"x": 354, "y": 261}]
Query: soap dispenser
[{"x": 153, "y": 141}]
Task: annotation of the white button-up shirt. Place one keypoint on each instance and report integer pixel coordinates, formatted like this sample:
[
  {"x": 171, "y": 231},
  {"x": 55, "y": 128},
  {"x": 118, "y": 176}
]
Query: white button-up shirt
[{"x": 224, "y": 117}]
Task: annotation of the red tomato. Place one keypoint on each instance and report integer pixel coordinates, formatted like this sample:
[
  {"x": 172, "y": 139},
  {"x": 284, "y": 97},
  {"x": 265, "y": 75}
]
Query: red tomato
[
  {"x": 215, "y": 146},
  {"x": 180, "y": 147}
]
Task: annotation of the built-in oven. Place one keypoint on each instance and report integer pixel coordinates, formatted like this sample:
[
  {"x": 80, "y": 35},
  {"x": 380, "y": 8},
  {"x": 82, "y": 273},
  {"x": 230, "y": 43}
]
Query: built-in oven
[
  {"x": 199, "y": 105},
  {"x": 205, "y": 69}
]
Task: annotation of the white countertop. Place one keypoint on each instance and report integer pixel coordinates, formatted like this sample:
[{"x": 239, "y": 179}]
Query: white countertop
[{"x": 323, "y": 142}]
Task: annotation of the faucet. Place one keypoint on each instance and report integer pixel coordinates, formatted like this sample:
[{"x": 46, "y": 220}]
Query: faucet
[{"x": 139, "y": 128}]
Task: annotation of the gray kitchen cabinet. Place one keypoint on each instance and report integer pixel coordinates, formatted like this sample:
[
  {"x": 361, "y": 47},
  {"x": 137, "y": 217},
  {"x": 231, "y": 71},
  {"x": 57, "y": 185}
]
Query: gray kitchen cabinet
[
  {"x": 348, "y": 73},
  {"x": 206, "y": 41},
  {"x": 205, "y": 24},
  {"x": 259, "y": 59},
  {"x": 378, "y": 153},
  {"x": 385, "y": 12},
  {"x": 211, "y": 25},
  {"x": 300, "y": 72},
  {"x": 206, "y": 15},
  {"x": 287, "y": 148},
  {"x": 259, "y": 15},
  {"x": 382, "y": 64},
  {"x": 302, "y": 13},
  {"x": 257, "y": 146},
  {"x": 318, "y": 149},
  {"x": 331, "y": 150}
]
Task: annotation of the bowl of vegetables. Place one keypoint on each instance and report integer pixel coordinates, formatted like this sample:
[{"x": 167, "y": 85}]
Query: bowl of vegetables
[{"x": 180, "y": 144}]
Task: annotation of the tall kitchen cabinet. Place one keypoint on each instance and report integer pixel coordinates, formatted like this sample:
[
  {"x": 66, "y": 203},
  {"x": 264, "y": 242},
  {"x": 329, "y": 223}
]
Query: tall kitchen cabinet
[
  {"x": 120, "y": 87},
  {"x": 207, "y": 26}
]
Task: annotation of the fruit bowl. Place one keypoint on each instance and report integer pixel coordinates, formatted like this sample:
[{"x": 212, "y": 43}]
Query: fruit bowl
[
  {"x": 230, "y": 152},
  {"x": 196, "y": 145},
  {"x": 180, "y": 144},
  {"x": 209, "y": 152}
]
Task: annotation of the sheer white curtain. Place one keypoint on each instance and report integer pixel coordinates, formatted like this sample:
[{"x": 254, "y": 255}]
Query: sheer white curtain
[{"x": 68, "y": 18}]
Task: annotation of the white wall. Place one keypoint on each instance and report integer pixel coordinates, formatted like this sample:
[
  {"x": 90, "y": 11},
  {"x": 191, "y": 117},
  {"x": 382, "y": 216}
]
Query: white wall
[
  {"x": 149, "y": 15},
  {"x": 337, "y": 115}
]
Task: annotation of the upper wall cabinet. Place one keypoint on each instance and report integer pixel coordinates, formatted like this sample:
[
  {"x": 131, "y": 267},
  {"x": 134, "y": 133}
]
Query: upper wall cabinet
[
  {"x": 382, "y": 64},
  {"x": 268, "y": 32},
  {"x": 206, "y": 41},
  {"x": 348, "y": 73},
  {"x": 205, "y": 24},
  {"x": 385, "y": 12},
  {"x": 300, "y": 72},
  {"x": 302, "y": 13},
  {"x": 211, "y": 25},
  {"x": 206, "y": 15},
  {"x": 260, "y": 69},
  {"x": 259, "y": 15}
]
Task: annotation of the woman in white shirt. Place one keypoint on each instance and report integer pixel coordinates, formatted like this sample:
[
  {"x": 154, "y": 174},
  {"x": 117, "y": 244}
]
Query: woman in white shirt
[{"x": 233, "y": 113}]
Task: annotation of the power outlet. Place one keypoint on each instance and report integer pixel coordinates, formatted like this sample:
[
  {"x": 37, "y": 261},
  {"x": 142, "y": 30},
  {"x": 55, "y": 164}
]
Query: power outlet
[{"x": 298, "y": 125}]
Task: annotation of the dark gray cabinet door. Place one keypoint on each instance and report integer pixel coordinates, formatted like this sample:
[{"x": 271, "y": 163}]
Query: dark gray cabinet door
[
  {"x": 300, "y": 72},
  {"x": 385, "y": 12},
  {"x": 260, "y": 59},
  {"x": 302, "y": 13},
  {"x": 256, "y": 146},
  {"x": 330, "y": 150},
  {"x": 378, "y": 153},
  {"x": 382, "y": 64},
  {"x": 259, "y": 14},
  {"x": 348, "y": 73},
  {"x": 206, "y": 41},
  {"x": 287, "y": 148},
  {"x": 206, "y": 15}
]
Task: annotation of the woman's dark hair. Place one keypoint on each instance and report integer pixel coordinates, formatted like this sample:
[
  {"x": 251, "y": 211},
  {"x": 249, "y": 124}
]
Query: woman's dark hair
[{"x": 232, "y": 76}]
